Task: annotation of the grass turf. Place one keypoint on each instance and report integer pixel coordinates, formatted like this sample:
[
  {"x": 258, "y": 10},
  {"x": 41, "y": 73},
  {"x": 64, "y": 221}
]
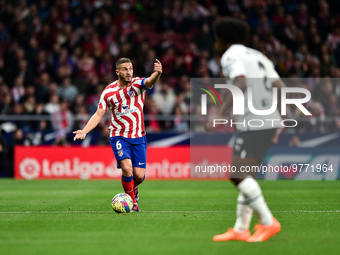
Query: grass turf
[{"x": 179, "y": 217}]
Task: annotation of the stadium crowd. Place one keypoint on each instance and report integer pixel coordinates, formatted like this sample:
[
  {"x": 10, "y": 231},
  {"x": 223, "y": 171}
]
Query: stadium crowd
[{"x": 56, "y": 57}]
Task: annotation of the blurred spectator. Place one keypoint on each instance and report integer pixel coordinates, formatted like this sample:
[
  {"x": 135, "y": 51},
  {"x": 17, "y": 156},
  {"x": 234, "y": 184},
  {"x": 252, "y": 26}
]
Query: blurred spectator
[
  {"x": 70, "y": 48},
  {"x": 190, "y": 56},
  {"x": 6, "y": 104},
  {"x": 29, "y": 105},
  {"x": 18, "y": 110},
  {"x": 83, "y": 116},
  {"x": 168, "y": 60},
  {"x": 151, "y": 110},
  {"x": 165, "y": 98},
  {"x": 53, "y": 105},
  {"x": 124, "y": 20},
  {"x": 41, "y": 64},
  {"x": 2, "y": 69},
  {"x": 179, "y": 67},
  {"x": 18, "y": 90},
  {"x": 302, "y": 16},
  {"x": 6, "y": 163},
  {"x": 4, "y": 35},
  {"x": 7, "y": 152},
  {"x": 316, "y": 122},
  {"x": 191, "y": 7},
  {"x": 204, "y": 39},
  {"x": 43, "y": 124},
  {"x": 333, "y": 39},
  {"x": 104, "y": 137},
  {"x": 165, "y": 21},
  {"x": 322, "y": 93},
  {"x": 41, "y": 93},
  {"x": 263, "y": 28},
  {"x": 193, "y": 13},
  {"x": 62, "y": 122},
  {"x": 179, "y": 125},
  {"x": 177, "y": 12},
  {"x": 25, "y": 72},
  {"x": 19, "y": 138},
  {"x": 67, "y": 90}
]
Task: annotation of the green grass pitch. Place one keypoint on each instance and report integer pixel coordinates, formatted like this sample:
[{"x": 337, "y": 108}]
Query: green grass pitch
[{"x": 179, "y": 217}]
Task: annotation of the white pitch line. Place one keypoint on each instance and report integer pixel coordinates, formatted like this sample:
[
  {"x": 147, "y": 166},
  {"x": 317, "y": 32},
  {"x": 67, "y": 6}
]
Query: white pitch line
[{"x": 56, "y": 212}]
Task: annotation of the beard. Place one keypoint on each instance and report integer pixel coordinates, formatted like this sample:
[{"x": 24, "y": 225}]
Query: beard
[{"x": 125, "y": 79}]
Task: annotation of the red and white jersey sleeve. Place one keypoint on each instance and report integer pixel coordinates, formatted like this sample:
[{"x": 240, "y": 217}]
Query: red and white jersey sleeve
[{"x": 126, "y": 107}]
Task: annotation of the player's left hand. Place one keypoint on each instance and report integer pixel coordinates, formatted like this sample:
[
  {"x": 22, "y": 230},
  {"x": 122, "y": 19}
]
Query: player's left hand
[
  {"x": 158, "y": 66},
  {"x": 79, "y": 135}
]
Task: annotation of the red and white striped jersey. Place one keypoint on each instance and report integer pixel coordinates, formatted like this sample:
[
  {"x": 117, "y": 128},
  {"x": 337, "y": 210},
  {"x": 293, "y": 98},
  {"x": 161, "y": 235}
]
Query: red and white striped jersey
[{"x": 126, "y": 107}]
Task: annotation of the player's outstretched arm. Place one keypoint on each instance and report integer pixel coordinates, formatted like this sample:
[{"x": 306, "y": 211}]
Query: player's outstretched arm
[
  {"x": 91, "y": 124},
  {"x": 150, "y": 81}
]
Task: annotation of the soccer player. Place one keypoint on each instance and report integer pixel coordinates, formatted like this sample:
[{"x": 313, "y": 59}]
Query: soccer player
[
  {"x": 248, "y": 68},
  {"x": 125, "y": 99}
]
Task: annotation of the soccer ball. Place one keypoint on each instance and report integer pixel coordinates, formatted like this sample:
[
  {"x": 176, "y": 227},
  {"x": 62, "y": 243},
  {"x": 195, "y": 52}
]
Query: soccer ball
[{"x": 122, "y": 203}]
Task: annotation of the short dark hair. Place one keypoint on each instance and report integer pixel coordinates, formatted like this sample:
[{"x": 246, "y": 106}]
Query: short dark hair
[
  {"x": 231, "y": 30},
  {"x": 122, "y": 61}
]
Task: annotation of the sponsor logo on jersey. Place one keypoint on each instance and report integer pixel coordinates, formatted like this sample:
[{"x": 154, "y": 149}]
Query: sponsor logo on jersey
[{"x": 129, "y": 111}]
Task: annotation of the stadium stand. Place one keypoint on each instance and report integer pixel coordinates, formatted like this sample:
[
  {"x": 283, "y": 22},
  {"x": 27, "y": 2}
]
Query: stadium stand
[{"x": 57, "y": 56}]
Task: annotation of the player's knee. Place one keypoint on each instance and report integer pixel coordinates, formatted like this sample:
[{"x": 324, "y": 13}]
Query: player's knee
[
  {"x": 126, "y": 168},
  {"x": 138, "y": 177},
  {"x": 127, "y": 172}
]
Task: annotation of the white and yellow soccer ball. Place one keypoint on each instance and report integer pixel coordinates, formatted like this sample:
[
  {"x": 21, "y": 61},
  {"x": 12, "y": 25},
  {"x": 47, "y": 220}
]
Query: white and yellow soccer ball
[{"x": 122, "y": 203}]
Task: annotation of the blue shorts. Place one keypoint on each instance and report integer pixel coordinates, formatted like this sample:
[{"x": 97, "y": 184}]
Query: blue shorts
[{"x": 132, "y": 148}]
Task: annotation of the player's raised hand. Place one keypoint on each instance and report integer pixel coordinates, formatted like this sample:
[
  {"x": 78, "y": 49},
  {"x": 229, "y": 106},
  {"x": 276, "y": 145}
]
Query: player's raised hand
[
  {"x": 80, "y": 135},
  {"x": 158, "y": 66}
]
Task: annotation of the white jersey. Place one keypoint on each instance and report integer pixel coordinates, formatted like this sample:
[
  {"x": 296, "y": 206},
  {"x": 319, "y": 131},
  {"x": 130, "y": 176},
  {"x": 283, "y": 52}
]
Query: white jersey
[{"x": 259, "y": 71}]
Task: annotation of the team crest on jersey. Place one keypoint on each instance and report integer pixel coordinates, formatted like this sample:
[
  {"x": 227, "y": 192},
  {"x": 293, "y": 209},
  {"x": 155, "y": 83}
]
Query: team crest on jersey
[
  {"x": 132, "y": 93},
  {"x": 120, "y": 153}
]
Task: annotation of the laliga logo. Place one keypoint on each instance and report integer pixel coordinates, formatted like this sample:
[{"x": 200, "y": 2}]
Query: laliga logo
[
  {"x": 239, "y": 102},
  {"x": 29, "y": 168}
]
